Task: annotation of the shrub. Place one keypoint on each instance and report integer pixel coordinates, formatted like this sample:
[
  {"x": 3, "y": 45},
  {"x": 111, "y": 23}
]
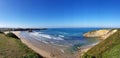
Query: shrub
[
  {"x": 12, "y": 35},
  {"x": 1, "y": 32}
]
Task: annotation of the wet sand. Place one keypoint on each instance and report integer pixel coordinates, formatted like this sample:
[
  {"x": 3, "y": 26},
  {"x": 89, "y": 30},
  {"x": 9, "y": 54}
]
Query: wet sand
[{"x": 44, "y": 49}]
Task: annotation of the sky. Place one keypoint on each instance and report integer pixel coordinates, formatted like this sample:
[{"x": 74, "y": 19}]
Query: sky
[{"x": 59, "y": 13}]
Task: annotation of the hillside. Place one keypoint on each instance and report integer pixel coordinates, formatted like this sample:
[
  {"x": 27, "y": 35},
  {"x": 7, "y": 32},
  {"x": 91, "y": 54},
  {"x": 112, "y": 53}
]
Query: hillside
[
  {"x": 109, "y": 48},
  {"x": 13, "y": 48}
]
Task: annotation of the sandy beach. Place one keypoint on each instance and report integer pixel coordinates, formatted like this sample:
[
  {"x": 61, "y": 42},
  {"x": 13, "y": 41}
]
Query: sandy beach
[
  {"x": 46, "y": 50},
  {"x": 49, "y": 50}
]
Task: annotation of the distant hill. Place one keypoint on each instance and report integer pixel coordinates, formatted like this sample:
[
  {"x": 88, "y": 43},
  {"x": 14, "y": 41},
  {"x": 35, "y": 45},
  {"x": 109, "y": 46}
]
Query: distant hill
[{"x": 108, "y": 48}]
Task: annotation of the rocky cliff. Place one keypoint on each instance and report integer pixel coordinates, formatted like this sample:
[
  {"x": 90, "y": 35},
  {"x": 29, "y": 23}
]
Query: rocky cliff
[{"x": 104, "y": 33}]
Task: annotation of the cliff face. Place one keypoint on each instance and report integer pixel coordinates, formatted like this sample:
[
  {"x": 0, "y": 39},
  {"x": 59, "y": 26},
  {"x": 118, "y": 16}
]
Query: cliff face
[
  {"x": 104, "y": 33},
  {"x": 97, "y": 33}
]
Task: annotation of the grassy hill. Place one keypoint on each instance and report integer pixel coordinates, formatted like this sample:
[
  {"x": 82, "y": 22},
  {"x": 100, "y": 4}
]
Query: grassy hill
[
  {"x": 13, "y": 48},
  {"x": 109, "y": 48}
]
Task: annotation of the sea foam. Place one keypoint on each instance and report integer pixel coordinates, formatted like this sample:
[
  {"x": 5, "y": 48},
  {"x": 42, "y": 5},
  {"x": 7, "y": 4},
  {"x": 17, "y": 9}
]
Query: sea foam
[
  {"x": 39, "y": 34},
  {"x": 61, "y": 36}
]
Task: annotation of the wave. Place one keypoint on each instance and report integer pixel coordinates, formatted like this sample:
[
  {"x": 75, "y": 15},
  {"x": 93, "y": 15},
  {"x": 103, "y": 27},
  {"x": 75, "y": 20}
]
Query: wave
[
  {"x": 58, "y": 38},
  {"x": 61, "y": 36},
  {"x": 45, "y": 42},
  {"x": 65, "y": 33},
  {"x": 47, "y": 36}
]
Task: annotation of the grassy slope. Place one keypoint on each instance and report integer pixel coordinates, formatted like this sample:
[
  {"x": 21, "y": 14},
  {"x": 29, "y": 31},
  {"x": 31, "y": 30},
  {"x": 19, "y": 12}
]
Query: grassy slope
[
  {"x": 109, "y": 48},
  {"x": 13, "y": 48}
]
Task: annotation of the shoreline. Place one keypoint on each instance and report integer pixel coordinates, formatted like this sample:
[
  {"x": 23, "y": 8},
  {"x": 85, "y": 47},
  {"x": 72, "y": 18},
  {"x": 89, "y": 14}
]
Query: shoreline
[
  {"x": 26, "y": 42},
  {"x": 48, "y": 51}
]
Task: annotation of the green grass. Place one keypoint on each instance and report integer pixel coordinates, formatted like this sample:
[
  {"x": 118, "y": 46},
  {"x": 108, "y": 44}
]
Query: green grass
[
  {"x": 109, "y": 48},
  {"x": 13, "y": 48}
]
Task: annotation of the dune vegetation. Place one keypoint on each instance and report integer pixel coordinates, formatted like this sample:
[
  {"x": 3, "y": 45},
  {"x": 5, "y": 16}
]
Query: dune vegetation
[
  {"x": 108, "y": 48},
  {"x": 12, "y": 47}
]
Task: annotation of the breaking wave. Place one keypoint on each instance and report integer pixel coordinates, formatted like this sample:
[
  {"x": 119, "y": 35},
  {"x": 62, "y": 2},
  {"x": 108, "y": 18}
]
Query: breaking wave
[{"x": 39, "y": 34}]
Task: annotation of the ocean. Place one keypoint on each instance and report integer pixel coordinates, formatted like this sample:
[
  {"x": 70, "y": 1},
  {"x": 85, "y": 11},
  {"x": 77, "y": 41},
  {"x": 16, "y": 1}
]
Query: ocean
[{"x": 67, "y": 37}]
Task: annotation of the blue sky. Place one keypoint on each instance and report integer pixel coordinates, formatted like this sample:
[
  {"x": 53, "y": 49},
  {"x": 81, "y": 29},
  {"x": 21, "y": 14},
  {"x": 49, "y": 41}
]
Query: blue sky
[{"x": 59, "y": 13}]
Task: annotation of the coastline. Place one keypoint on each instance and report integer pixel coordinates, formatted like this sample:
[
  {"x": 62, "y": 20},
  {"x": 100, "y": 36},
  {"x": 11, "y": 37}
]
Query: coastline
[{"x": 48, "y": 51}]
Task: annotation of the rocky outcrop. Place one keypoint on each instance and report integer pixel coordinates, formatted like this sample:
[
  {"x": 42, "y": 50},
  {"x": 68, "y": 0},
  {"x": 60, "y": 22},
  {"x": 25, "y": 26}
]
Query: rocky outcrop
[{"x": 102, "y": 34}]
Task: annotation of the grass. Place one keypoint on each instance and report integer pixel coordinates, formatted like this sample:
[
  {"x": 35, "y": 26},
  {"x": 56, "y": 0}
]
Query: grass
[
  {"x": 13, "y": 48},
  {"x": 109, "y": 48}
]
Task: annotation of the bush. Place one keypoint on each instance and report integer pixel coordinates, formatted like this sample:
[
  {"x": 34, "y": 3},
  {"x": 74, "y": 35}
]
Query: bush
[
  {"x": 1, "y": 32},
  {"x": 11, "y": 35},
  {"x": 31, "y": 56}
]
